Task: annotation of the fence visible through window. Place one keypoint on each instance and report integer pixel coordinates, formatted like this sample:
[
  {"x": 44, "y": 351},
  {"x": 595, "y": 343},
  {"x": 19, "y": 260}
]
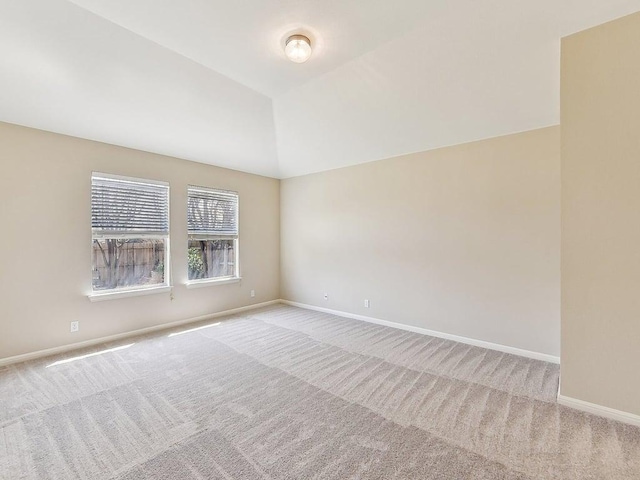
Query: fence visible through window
[{"x": 127, "y": 262}]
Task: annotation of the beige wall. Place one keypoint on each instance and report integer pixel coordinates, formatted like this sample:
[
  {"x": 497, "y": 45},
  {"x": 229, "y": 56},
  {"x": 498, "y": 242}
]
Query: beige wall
[
  {"x": 45, "y": 182},
  {"x": 601, "y": 215},
  {"x": 464, "y": 240}
]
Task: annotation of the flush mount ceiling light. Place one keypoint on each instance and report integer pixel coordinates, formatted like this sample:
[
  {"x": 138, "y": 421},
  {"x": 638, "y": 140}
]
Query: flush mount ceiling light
[{"x": 298, "y": 48}]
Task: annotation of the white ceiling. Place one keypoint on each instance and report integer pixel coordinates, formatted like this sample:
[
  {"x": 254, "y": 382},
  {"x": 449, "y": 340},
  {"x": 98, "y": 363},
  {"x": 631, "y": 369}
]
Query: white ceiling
[
  {"x": 207, "y": 80},
  {"x": 243, "y": 39},
  {"x": 66, "y": 70}
]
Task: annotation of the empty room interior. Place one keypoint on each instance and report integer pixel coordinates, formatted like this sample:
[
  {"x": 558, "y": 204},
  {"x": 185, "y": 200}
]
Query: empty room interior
[{"x": 339, "y": 239}]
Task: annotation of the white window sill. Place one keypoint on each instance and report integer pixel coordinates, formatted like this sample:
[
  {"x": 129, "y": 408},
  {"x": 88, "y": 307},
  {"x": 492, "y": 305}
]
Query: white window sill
[
  {"x": 112, "y": 295},
  {"x": 212, "y": 281}
]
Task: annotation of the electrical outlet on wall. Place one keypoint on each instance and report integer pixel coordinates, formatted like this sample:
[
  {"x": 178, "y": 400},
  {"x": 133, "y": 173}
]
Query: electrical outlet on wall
[
  {"x": 75, "y": 326},
  {"x": 253, "y": 293},
  {"x": 367, "y": 304}
]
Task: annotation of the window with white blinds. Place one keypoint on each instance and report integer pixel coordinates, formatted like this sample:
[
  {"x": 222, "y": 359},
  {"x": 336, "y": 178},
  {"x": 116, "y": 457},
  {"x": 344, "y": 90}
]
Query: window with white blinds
[
  {"x": 212, "y": 223},
  {"x": 122, "y": 206},
  {"x": 130, "y": 233},
  {"x": 212, "y": 213}
]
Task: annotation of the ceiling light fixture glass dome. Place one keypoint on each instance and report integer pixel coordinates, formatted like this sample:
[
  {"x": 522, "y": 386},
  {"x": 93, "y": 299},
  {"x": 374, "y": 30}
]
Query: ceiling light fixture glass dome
[{"x": 298, "y": 48}]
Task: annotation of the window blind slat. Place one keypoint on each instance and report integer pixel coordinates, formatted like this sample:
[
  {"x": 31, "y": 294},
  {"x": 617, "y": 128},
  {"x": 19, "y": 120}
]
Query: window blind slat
[
  {"x": 125, "y": 206},
  {"x": 212, "y": 212}
]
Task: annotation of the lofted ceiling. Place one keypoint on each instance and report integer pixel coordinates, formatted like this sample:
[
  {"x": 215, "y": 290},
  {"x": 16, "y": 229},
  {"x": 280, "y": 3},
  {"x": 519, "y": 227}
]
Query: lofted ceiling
[
  {"x": 207, "y": 80},
  {"x": 243, "y": 39}
]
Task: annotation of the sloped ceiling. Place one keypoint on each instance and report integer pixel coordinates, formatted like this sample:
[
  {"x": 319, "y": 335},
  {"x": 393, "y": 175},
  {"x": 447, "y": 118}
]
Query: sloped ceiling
[
  {"x": 207, "y": 80},
  {"x": 66, "y": 70}
]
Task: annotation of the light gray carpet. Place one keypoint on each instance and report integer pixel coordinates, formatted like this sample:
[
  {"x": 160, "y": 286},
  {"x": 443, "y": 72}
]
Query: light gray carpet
[{"x": 288, "y": 393}]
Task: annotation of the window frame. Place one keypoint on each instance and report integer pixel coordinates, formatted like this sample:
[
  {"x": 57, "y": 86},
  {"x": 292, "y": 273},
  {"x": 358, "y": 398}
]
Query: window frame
[
  {"x": 134, "y": 290},
  {"x": 229, "y": 279}
]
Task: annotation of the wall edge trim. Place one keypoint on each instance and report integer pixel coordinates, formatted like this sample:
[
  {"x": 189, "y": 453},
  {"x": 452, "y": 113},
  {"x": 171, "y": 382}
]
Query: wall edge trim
[
  {"x": 599, "y": 410},
  {"x": 433, "y": 333},
  {"x": 133, "y": 333}
]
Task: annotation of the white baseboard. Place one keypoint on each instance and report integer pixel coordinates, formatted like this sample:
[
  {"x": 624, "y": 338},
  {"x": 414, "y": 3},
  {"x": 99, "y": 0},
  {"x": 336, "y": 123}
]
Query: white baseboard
[
  {"x": 599, "y": 410},
  {"x": 89, "y": 343},
  {"x": 469, "y": 341}
]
